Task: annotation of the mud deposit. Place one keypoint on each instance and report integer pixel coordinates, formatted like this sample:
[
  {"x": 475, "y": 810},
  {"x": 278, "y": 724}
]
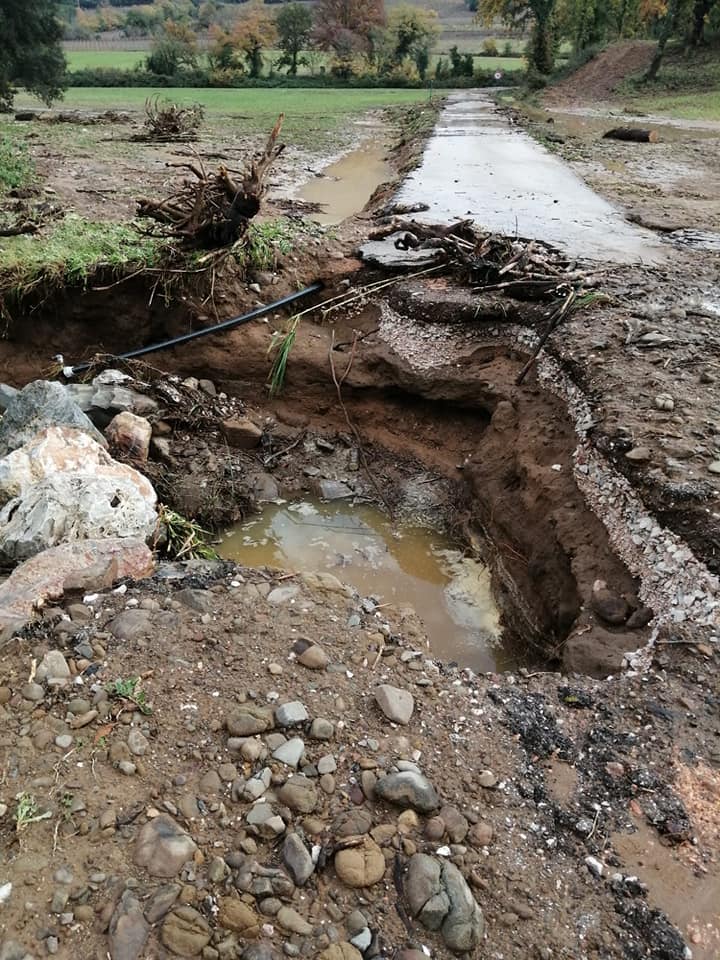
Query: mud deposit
[{"x": 402, "y": 564}]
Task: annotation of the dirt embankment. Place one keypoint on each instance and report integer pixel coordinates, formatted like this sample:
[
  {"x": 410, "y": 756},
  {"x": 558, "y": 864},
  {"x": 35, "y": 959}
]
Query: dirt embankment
[{"x": 599, "y": 77}]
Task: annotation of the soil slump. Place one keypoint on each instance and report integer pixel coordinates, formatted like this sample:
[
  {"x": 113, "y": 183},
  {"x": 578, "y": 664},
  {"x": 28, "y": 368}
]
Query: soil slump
[{"x": 504, "y": 452}]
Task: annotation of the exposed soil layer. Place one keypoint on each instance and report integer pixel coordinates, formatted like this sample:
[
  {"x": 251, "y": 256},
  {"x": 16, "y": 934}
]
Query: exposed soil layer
[
  {"x": 598, "y": 78},
  {"x": 507, "y": 450}
]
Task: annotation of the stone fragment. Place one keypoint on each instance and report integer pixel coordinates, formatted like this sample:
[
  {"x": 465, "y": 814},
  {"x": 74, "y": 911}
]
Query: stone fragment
[
  {"x": 291, "y": 752},
  {"x": 87, "y": 565},
  {"x": 291, "y": 714},
  {"x": 163, "y": 847},
  {"x": 128, "y": 930},
  {"x": 340, "y": 951},
  {"x": 185, "y": 932},
  {"x": 131, "y": 435},
  {"x": 291, "y": 920},
  {"x": 39, "y": 405},
  {"x": 241, "y": 433},
  {"x": 314, "y": 658},
  {"x": 322, "y": 729},
  {"x": 607, "y": 605},
  {"x": 332, "y": 490},
  {"x": 408, "y": 789},
  {"x": 396, "y": 704},
  {"x": 299, "y": 794},
  {"x": 361, "y": 865},
  {"x": 52, "y": 667},
  {"x": 248, "y": 720},
  {"x": 161, "y": 901},
  {"x": 237, "y": 916},
  {"x": 297, "y": 859},
  {"x": 639, "y": 454},
  {"x": 440, "y": 899}
]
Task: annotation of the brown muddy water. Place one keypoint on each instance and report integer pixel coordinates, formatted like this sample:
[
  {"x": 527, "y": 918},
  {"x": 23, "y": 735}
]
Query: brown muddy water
[
  {"x": 393, "y": 562},
  {"x": 343, "y": 188}
]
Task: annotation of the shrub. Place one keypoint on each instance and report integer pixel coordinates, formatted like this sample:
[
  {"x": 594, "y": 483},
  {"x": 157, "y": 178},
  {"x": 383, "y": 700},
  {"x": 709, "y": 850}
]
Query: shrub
[{"x": 489, "y": 48}]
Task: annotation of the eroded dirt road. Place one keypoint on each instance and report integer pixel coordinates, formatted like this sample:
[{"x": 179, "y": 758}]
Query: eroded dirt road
[{"x": 481, "y": 165}]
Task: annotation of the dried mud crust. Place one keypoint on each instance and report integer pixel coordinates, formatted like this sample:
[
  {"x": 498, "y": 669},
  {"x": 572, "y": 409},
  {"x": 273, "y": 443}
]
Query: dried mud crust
[{"x": 535, "y": 774}]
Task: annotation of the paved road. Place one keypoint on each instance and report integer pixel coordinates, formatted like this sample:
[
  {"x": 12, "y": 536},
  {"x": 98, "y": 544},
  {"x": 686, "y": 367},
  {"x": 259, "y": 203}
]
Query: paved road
[{"x": 478, "y": 165}]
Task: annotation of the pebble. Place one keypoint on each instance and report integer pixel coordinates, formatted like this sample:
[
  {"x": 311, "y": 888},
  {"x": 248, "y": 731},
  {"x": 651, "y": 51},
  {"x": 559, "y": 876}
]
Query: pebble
[
  {"x": 137, "y": 742},
  {"x": 595, "y": 866},
  {"x": 639, "y": 454},
  {"x": 33, "y": 692},
  {"x": 714, "y": 467},
  {"x": 297, "y": 859},
  {"x": 314, "y": 658},
  {"x": 395, "y": 703},
  {"x": 360, "y": 866},
  {"x": 163, "y": 847},
  {"x": 127, "y": 768},
  {"x": 291, "y": 714},
  {"x": 487, "y": 779},
  {"x": 327, "y": 764},
  {"x": 291, "y": 920},
  {"x": 408, "y": 789},
  {"x": 64, "y": 741},
  {"x": 291, "y": 752},
  {"x": 322, "y": 729},
  {"x": 664, "y": 402}
]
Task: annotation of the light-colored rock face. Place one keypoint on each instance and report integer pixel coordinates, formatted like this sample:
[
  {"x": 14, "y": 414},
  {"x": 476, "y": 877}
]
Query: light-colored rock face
[
  {"x": 87, "y": 565},
  {"x": 39, "y": 405},
  {"x": 62, "y": 486}
]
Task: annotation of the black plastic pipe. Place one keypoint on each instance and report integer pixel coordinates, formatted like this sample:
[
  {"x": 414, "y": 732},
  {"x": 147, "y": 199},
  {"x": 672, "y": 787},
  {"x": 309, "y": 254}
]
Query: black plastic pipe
[{"x": 206, "y": 331}]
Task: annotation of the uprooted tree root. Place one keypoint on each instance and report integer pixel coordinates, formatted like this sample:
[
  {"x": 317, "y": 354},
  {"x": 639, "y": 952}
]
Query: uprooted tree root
[
  {"x": 170, "y": 122},
  {"x": 211, "y": 211}
]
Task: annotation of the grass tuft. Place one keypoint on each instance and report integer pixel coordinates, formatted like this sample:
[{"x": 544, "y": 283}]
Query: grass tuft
[
  {"x": 186, "y": 540},
  {"x": 281, "y": 344},
  {"x": 16, "y": 167},
  {"x": 71, "y": 253}
]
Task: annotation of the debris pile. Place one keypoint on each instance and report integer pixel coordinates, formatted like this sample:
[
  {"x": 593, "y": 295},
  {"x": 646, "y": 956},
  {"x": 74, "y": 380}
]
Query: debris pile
[{"x": 166, "y": 121}]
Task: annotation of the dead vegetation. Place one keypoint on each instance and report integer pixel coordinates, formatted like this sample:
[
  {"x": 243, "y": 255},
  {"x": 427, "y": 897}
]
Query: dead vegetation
[
  {"x": 169, "y": 122},
  {"x": 214, "y": 210}
]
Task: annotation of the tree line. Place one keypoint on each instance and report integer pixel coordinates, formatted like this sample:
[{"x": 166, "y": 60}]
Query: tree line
[{"x": 590, "y": 24}]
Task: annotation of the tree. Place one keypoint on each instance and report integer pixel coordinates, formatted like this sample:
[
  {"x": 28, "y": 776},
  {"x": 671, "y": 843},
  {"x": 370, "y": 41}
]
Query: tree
[
  {"x": 411, "y": 34},
  {"x": 174, "y": 47},
  {"x": 254, "y": 31},
  {"x": 294, "y": 26},
  {"x": 347, "y": 26},
  {"x": 667, "y": 29},
  {"x": 31, "y": 54},
  {"x": 518, "y": 13}
]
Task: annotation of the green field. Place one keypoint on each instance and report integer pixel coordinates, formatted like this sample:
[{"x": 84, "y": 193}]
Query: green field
[
  {"x": 688, "y": 106},
  {"x": 246, "y": 102},
  {"x": 114, "y": 59},
  {"x": 127, "y": 59}
]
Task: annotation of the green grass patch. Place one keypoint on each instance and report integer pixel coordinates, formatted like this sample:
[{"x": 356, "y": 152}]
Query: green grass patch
[
  {"x": 16, "y": 167},
  {"x": 311, "y": 116},
  {"x": 300, "y": 102},
  {"x": 111, "y": 59},
  {"x": 71, "y": 252},
  {"x": 684, "y": 106}
]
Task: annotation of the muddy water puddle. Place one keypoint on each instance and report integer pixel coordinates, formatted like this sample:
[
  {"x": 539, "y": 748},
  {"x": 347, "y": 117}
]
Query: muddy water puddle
[
  {"x": 689, "y": 897},
  {"x": 398, "y": 563},
  {"x": 343, "y": 188}
]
